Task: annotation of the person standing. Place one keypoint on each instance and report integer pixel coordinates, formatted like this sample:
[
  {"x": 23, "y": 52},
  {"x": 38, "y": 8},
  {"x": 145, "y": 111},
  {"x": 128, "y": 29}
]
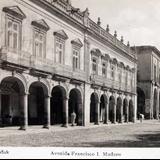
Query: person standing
[{"x": 73, "y": 118}]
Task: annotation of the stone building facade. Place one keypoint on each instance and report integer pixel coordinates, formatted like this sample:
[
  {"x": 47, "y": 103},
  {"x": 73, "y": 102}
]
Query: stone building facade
[
  {"x": 54, "y": 60},
  {"x": 148, "y": 81}
]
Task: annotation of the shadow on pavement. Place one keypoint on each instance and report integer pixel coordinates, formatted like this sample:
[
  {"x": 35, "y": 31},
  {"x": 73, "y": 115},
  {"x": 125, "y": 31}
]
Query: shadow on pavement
[{"x": 145, "y": 140}]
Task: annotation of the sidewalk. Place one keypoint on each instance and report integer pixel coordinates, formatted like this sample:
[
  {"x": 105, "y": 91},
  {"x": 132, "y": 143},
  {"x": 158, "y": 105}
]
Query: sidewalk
[{"x": 10, "y": 131}]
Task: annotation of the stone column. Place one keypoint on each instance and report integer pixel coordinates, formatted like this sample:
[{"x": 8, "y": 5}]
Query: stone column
[
  {"x": 114, "y": 112},
  {"x": 121, "y": 114},
  {"x": 24, "y": 112},
  {"x": 97, "y": 113},
  {"x": 65, "y": 112},
  {"x": 127, "y": 113},
  {"x": 106, "y": 113},
  {"x": 0, "y": 111},
  {"x": 47, "y": 117}
]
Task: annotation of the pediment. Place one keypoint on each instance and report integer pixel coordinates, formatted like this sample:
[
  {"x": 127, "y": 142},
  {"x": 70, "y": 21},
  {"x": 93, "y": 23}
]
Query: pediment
[
  {"x": 41, "y": 24},
  {"x": 61, "y": 34},
  {"x": 15, "y": 11},
  {"x": 77, "y": 42},
  {"x": 96, "y": 52}
]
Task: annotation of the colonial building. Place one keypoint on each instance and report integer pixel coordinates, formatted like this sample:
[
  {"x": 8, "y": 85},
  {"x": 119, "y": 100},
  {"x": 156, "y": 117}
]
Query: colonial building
[
  {"x": 54, "y": 60},
  {"x": 148, "y": 81}
]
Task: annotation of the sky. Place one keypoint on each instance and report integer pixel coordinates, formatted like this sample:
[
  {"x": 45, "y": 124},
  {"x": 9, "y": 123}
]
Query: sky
[{"x": 138, "y": 21}]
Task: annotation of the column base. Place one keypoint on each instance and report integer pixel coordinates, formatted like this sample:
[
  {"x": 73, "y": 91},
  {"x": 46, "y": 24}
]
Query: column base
[
  {"x": 97, "y": 123},
  {"x": 23, "y": 128},
  {"x": 65, "y": 125},
  {"x": 46, "y": 127}
]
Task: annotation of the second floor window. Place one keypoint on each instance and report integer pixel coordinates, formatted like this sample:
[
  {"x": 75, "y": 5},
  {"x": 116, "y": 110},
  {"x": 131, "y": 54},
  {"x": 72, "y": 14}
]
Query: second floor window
[
  {"x": 112, "y": 72},
  {"x": 13, "y": 34},
  {"x": 119, "y": 75},
  {"x": 155, "y": 72},
  {"x": 39, "y": 44},
  {"x": 104, "y": 70},
  {"x": 59, "y": 53},
  {"x": 94, "y": 66},
  {"x": 76, "y": 58}
]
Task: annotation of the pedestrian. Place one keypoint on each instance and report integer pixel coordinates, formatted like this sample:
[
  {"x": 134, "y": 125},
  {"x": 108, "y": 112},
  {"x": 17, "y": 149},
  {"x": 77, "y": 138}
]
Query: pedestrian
[
  {"x": 141, "y": 117},
  {"x": 73, "y": 118}
]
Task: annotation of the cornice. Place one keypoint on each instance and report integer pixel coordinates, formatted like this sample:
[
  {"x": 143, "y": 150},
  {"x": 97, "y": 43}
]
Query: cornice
[{"x": 67, "y": 17}]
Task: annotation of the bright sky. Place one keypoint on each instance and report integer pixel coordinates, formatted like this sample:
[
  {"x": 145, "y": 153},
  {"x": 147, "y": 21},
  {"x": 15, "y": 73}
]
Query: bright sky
[{"x": 137, "y": 20}]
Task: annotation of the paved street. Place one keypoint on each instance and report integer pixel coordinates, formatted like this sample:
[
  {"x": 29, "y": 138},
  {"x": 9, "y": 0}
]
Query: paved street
[{"x": 126, "y": 135}]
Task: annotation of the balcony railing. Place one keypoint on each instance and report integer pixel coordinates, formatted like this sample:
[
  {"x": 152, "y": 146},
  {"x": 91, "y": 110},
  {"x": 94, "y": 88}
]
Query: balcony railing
[
  {"x": 79, "y": 16},
  {"x": 26, "y": 60},
  {"x": 111, "y": 84}
]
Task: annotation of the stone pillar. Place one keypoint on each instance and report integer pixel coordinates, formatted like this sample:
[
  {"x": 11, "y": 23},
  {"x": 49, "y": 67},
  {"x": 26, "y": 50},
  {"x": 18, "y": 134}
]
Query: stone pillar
[
  {"x": 121, "y": 114},
  {"x": 114, "y": 112},
  {"x": 80, "y": 114},
  {"x": 127, "y": 113},
  {"x": 0, "y": 111},
  {"x": 24, "y": 112},
  {"x": 65, "y": 112},
  {"x": 47, "y": 118},
  {"x": 97, "y": 113},
  {"x": 106, "y": 113}
]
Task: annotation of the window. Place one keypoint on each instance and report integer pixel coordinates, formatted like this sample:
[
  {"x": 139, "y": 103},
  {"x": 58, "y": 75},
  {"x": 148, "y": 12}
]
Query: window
[
  {"x": 39, "y": 44},
  {"x": 13, "y": 25},
  {"x": 13, "y": 34},
  {"x": 104, "y": 72},
  {"x": 155, "y": 71},
  {"x": 59, "y": 53},
  {"x": 94, "y": 66},
  {"x": 119, "y": 75},
  {"x": 76, "y": 57},
  {"x": 126, "y": 78},
  {"x": 112, "y": 72},
  {"x": 159, "y": 76}
]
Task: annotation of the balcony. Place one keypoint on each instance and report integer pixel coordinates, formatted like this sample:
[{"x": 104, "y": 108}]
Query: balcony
[
  {"x": 25, "y": 60},
  {"x": 110, "y": 84}
]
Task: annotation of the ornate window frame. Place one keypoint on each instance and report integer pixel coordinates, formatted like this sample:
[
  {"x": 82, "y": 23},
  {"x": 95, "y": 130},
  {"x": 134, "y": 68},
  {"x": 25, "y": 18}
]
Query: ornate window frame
[
  {"x": 40, "y": 29},
  {"x": 15, "y": 17},
  {"x": 59, "y": 46}
]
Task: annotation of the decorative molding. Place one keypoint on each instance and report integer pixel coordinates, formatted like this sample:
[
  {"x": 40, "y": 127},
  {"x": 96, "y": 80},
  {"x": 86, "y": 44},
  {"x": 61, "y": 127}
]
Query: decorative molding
[
  {"x": 41, "y": 24},
  {"x": 61, "y": 34},
  {"x": 15, "y": 11},
  {"x": 77, "y": 42}
]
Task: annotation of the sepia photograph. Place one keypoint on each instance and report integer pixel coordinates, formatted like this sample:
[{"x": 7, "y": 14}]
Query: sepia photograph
[{"x": 79, "y": 79}]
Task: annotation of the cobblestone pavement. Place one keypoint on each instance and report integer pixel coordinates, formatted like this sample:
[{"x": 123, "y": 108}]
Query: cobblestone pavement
[{"x": 146, "y": 134}]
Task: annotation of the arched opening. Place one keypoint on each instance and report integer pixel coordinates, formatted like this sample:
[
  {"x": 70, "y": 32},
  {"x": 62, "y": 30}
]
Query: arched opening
[
  {"x": 11, "y": 106},
  {"x": 118, "y": 110},
  {"x": 75, "y": 105},
  {"x": 140, "y": 102},
  {"x": 93, "y": 108},
  {"x": 57, "y": 105},
  {"x": 155, "y": 116},
  {"x": 125, "y": 110},
  {"x": 111, "y": 109},
  {"x": 131, "y": 111},
  {"x": 36, "y": 103},
  {"x": 103, "y": 109}
]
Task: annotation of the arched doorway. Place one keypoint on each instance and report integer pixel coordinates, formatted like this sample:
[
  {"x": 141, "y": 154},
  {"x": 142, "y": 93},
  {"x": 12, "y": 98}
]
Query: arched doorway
[
  {"x": 12, "y": 90},
  {"x": 131, "y": 111},
  {"x": 58, "y": 104},
  {"x": 140, "y": 102},
  {"x": 94, "y": 108},
  {"x": 36, "y": 103},
  {"x": 103, "y": 109},
  {"x": 119, "y": 110},
  {"x": 155, "y": 109},
  {"x": 75, "y": 105},
  {"x": 125, "y": 110},
  {"x": 111, "y": 109}
]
